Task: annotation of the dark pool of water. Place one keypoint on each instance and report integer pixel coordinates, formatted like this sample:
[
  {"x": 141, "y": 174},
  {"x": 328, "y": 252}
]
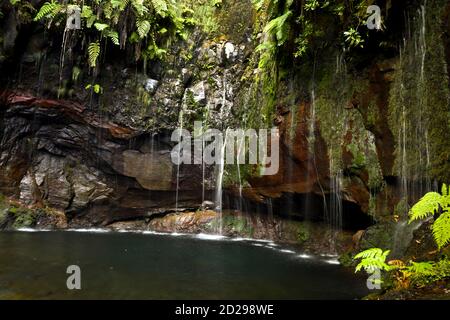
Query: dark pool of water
[{"x": 136, "y": 266}]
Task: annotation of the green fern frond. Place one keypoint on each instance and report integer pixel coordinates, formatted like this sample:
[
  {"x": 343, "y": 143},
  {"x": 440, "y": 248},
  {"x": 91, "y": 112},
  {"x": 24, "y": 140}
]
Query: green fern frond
[
  {"x": 88, "y": 15},
  {"x": 113, "y": 35},
  {"x": 372, "y": 259},
  {"x": 120, "y": 4},
  {"x": 371, "y": 253},
  {"x": 421, "y": 268},
  {"x": 108, "y": 10},
  {"x": 101, "y": 26},
  {"x": 160, "y": 7},
  {"x": 139, "y": 7},
  {"x": 143, "y": 28},
  {"x": 279, "y": 28},
  {"x": 441, "y": 229},
  {"x": 445, "y": 190},
  {"x": 94, "y": 52},
  {"x": 48, "y": 10},
  {"x": 426, "y": 207}
]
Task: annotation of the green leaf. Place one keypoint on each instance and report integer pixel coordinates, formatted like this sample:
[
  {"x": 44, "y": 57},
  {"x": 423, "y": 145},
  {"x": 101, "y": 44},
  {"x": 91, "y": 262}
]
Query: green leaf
[
  {"x": 160, "y": 7},
  {"x": 441, "y": 230},
  {"x": 372, "y": 259},
  {"x": 101, "y": 26},
  {"x": 426, "y": 207},
  {"x": 88, "y": 15},
  {"x": 94, "y": 52},
  {"x": 48, "y": 10},
  {"x": 113, "y": 35},
  {"x": 143, "y": 28},
  {"x": 279, "y": 28}
]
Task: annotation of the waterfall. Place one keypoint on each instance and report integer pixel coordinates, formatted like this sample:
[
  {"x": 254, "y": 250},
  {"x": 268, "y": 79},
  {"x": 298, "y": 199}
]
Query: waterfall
[
  {"x": 413, "y": 147},
  {"x": 239, "y": 151},
  {"x": 181, "y": 124},
  {"x": 414, "y": 102},
  {"x": 335, "y": 212},
  {"x": 219, "y": 182},
  {"x": 311, "y": 144}
]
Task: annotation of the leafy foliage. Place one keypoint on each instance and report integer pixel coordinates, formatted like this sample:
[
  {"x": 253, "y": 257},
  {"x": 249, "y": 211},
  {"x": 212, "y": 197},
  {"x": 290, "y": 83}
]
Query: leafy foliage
[
  {"x": 48, "y": 11},
  {"x": 441, "y": 230},
  {"x": 276, "y": 31},
  {"x": 290, "y": 22},
  {"x": 95, "y": 87},
  {"x": 420, "y": 274},
  {"x": 147, "y": 24},
  {"x": 372, "y": 259},
  {"x": 353, "y": 37},
  {"x": 417, "y": 273},
  {"x": 431, "y": 204},
  {"x": 94, "y": 52}
]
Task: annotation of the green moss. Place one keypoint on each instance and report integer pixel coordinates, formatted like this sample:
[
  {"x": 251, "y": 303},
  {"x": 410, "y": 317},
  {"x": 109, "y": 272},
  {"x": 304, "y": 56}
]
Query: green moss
[
  {"x": 346, "y": 259},
  {"x": 233, "y": 224},
  {"x": 419, "y": 113},
  {"x": 24, "y": 218},
  {"x": 303, "y": 234}
]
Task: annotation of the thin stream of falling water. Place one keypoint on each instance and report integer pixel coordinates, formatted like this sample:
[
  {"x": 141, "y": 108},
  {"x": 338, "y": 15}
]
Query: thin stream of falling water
[
  {"x": 203, "y": 174},
  {"x": 204, "y": 125},
  {"x": 239, "y": 151},
  {"x": 219, "y": 182},
  {"x": 335, "y": 218},
  {"x": 413, "y": 144},
  {"x": 181, "y": 116},
  {"x": 311, "y": 142},
  {"x": 292, "y": 135}
]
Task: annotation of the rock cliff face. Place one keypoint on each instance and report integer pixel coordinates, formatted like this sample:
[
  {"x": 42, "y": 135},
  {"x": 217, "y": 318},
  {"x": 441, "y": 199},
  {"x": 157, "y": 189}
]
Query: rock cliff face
[{"x": 354, "y": 145}]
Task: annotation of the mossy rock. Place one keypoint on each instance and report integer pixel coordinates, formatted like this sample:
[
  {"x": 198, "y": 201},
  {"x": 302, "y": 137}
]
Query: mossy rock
[
  {"x": 3, "y": 218},
  {"x": 24, "y": 218},
  {"x": 346, "y": 259},
  {"x": 380, "y": 235},
  {"x": 232, "y": 224},
  {"x": 303, "y": 233}
]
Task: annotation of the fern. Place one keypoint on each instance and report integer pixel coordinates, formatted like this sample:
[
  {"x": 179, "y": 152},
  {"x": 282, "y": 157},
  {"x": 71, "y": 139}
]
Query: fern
[
  {"x": 143, "y": 28},
  {"x": 139, "y": 7},
  {"x": 441, "y": 230},
  {"x": 160, "y": 7},
  {"x": 421, "y": 268},
  {"x": 94, "y": 52},
  {"x": 423, "y": 273},
  {"x": 48, "y": 10},
  {"x": 426, "y": 207},
  {"x": 435, "y": 203},
  {"x": 101, "y": 26},
  {"x": 88, "y": 15},
  {"x": 110, "y": 19},
  {"x": 119, "y": 4},
  {"x": 279, "y": 28},
  {"x": 372, "y": 259},
  {"x": 113, "y": 35}
]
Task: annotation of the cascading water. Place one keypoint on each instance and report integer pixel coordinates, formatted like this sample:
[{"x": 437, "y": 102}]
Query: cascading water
[
  {"x": 334, "y": 216},
  {"x": 219, "y": 182},
  {"x": 177, "y": 193},
  {"x": 311, "y": 146},
  {"x": 412, "y": 137},
  {"x": 238, "y": 167},
  {"x": 412, "y": 119}
]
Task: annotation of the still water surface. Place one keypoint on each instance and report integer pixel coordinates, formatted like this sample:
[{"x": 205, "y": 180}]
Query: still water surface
[{"x": 142, "y": 266}]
